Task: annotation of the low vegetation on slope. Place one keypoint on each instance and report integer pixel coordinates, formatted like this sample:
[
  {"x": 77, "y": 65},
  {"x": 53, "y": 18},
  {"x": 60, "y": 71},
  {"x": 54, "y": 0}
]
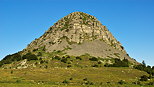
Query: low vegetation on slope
[
  {"x": 71, "y": 76},
  {"x": 38, "y": 69},
  {"x": 58, "y": 59}
]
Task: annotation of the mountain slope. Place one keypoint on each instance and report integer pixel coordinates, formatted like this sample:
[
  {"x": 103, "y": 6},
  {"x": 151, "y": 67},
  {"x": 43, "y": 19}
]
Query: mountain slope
[{"x": 80, "y": 33}]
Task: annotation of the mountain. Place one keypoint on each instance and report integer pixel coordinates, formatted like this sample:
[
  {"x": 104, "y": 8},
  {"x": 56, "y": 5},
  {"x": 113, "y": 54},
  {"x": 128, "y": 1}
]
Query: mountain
[
  {"x": 80, "y": 33},
  {"x": 75, "y": 34}
]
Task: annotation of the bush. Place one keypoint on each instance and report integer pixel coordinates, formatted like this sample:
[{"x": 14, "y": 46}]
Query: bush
[
  {"x": 41, "y": 62},
  {"x": 122, "y": 82},
  {"x": 99, "y": 62},
  {"x": 30, "y": 56},
  {"x": 144, "y": 78},
  {"x": 39, "y": 54},
  {"x": 69, "y": 66},
  {"x": 151, "y": 83},
  {"x": 71, "y": 78},
  {"x": 79, "y": 58},
  {"x": 118, "y": 63},
  {"x": 11, "y": 71},
  {"x": 137, "y": 82},
  {"x": 57, "y": 58},
  {"x": 65, "y": 81},
  {"x": 67, "y": 56},
  {"x": 88, "y": 83},
  {"x": 18, "y": 81},
  {"x": 64, "y": 60},
  {"x": 95, "y": 65},
  {"x": 93, "y": 59},
  {"x": 85, "y": 79}
]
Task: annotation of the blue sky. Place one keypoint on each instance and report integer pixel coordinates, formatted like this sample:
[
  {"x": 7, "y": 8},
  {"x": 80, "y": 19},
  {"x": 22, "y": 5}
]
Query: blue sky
[{"x": 130, "y": 21}]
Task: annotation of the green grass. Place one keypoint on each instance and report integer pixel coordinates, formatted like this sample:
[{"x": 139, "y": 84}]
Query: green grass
[
  {"x": 55, "y": 77},
  {"x": 55, "y": 72},
  {"x": 31, "y": 85},
  {"x": 50, "y": 85}
]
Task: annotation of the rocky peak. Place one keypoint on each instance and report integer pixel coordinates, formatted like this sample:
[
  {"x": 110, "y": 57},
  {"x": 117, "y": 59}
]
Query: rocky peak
[
  {"x": 76, "y": 19},
  {"x": 76, "y": 27}
]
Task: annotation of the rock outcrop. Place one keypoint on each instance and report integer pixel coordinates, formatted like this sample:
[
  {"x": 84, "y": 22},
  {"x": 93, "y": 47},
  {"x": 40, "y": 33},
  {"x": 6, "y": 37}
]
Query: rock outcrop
[{"x": 79, "y": 33}]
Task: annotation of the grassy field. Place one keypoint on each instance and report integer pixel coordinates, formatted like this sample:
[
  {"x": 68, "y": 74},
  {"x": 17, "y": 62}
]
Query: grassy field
[
  {"x": 48, "y": 85},
  {"x": 72, "y": 77}
]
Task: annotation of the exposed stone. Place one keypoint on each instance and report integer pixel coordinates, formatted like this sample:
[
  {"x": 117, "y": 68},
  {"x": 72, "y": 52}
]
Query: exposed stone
[{"x": 78, "y": 28}]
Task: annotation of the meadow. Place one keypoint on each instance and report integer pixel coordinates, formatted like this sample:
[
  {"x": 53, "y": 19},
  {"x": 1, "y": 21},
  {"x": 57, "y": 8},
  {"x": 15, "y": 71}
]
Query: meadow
[{"x": 71, "y": 77}]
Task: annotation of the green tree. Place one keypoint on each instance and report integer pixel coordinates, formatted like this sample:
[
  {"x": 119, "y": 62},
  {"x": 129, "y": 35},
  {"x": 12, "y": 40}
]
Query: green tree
[{"x": 143, "y": 62}]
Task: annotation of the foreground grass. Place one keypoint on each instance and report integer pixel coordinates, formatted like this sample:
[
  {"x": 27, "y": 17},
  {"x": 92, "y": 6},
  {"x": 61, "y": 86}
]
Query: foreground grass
[
  {"x": 73, "y": 77},
  {"x": 31, "y": 85},
  {"x": 49, "y": 85}
]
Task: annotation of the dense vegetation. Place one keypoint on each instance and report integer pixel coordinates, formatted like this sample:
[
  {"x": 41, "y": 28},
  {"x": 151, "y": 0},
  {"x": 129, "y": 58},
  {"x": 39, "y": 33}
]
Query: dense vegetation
[
  {"x": 118, "y": 63},
  {"x": 29, "y": 56},
  {"x": 143, "y": 67},
  {"x": 17, "y": 57},
  {"x": 10, "y": 58}
]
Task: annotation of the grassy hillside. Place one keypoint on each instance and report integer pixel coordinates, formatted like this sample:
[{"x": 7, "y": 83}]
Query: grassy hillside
[{"x": 105, "y": 76}]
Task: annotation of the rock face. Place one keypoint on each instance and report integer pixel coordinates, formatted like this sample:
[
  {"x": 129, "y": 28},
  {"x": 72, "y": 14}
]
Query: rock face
[{"x": 79, "y": 33}]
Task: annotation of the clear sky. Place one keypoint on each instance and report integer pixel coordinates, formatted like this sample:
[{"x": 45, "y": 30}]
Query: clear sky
[{"x": 130, "y": 21}]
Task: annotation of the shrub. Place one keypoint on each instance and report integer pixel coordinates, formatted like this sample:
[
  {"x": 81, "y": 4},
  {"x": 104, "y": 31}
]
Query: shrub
[
  {"x": 35, "y": 50},
  {"x": 30, "y": 56},
  {"x": 41, "y": 62},
  {"x": 57, "y": 58},
  {"x": 18, "y": 81},
  {"x": 118, "y": 63},
  {"x": 93, "y": 59},
  {"x": 69, "y": 62},
  {"x": 79, "y": 58},
  {"x": 137, "y": 82},
  {"x": 122, "y": 82},
  {"x": 99, "y": 62},
  {"x": 107, "y": 65},
  {"x": 144, "y": 78},
  {"x": 65, "y": 81},
  {"x": 71, "y": 78},
  {"x": 69, "y": 66},
  {"x": 39, "y": 54},
  {"x": 64, "y": 60},
  {"x": 108, "y": 82},
  {"x": 89, "y": 83},
  {"x": 67, "y": 56},
  {"x": 11, "y": 71},
  {"x": 151, "y": 83},
  {"x": 95, "y": 65},
  {"x": 85, "y": 79}
]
